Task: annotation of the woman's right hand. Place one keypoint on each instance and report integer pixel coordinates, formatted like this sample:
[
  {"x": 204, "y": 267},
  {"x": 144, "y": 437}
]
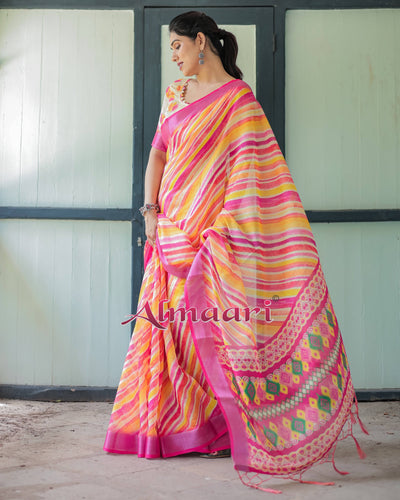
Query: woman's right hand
[{"x": 151, "y": 222}]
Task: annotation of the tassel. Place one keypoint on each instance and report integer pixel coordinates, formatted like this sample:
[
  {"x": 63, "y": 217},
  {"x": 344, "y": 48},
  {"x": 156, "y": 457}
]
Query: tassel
[
  {"x": 363, "y": 428},
  {"x": 316, "y": 482},
  {"x": 267, "y": 490},
  {"x": 361, "y": 454},
  {"x": 257, "y": 485},
  {"x": 343, "y": 473}
]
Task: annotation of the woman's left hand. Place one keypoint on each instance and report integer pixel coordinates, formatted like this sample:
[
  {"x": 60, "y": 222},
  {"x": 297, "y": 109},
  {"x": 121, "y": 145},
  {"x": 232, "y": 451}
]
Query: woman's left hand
[{"x": 151, "y": 222}]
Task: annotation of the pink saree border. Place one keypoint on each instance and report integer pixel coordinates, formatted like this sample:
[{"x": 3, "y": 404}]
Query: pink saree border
[
  {"x": 212, "y": 436},
  {"x": 194, "y": 107},
  {"x": 204, "y": 344}
]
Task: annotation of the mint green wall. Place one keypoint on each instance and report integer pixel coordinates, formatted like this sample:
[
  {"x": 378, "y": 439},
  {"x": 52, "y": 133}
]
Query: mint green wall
[
  {"x": 361, "y": 263},
  {"x": 343, "y": 149},
  {"x": 65, "y": 288},
  {"x": 343, "y": 107}
]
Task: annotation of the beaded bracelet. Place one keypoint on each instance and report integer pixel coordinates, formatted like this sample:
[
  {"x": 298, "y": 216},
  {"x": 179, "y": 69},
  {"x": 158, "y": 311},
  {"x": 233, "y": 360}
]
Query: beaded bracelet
[{"x": 149, "y": 206}]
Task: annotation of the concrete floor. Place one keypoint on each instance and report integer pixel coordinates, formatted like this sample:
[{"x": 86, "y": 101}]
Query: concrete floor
[{"x": 54, "y": 451}]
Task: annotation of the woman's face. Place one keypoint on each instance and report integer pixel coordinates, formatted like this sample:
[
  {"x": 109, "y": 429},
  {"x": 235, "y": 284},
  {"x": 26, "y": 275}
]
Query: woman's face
[{"x": 185, "y": 53}]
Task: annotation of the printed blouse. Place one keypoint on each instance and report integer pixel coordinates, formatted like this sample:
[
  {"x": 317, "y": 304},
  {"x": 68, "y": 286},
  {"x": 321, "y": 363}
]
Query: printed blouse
[{"x": 172, "y": 102}]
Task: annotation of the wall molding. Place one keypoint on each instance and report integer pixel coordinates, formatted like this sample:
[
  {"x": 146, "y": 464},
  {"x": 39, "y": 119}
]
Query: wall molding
[
  {"x": 53, "y": 393},
  {"x": 354, "y": 215},
  {"x": 129, "y": 215},
  {"x": 187, "y": 4},
  {"x": 68, "y": 213}
]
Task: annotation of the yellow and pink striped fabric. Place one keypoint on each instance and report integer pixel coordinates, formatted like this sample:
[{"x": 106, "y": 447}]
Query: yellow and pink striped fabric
[{"x": 254, "y": 360}]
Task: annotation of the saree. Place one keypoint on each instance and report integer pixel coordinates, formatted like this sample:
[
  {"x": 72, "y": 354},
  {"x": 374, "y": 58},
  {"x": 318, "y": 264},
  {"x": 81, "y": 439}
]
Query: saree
[{"x": 236, "y": 342}]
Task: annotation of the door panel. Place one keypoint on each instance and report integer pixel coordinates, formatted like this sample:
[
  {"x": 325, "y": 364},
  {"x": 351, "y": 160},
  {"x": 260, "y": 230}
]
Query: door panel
[
  {"x": 246, "y": 61},
  {"x": 254, "y": 28}
]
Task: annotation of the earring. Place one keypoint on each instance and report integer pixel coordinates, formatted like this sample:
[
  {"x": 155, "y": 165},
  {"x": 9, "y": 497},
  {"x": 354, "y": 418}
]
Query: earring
[{"x": 201, "y": 57}]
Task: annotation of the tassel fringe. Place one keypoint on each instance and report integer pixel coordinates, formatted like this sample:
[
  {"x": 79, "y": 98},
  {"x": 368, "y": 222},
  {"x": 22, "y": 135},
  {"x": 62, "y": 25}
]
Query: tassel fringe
[
  {"x": 248, "y": 481},
  {"x": 255, "y": 480}
]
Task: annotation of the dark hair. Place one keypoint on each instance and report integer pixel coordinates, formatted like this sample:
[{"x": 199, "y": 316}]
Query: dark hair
[{"x": 191, "y": 23}]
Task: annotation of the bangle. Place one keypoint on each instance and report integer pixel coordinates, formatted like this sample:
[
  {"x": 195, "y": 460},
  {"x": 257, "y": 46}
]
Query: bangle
[{"x": 149, "y": 206}]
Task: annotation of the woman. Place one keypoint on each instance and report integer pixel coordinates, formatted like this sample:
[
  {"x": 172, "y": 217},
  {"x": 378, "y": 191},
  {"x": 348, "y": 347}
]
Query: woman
[{"x": 236, "y": 343}]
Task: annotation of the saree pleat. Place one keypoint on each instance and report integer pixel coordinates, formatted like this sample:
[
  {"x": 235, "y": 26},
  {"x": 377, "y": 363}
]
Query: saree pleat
[
  {"x": 162, "y": 387},
  {"x": 257, "y": 349}
]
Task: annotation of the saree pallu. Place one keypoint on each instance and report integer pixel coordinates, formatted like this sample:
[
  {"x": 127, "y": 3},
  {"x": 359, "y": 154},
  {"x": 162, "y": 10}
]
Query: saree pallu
[{"x": 256, "y": 349}]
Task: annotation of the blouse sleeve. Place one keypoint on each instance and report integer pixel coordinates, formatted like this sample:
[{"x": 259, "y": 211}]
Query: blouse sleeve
[{"x": 158, "y": 141}]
